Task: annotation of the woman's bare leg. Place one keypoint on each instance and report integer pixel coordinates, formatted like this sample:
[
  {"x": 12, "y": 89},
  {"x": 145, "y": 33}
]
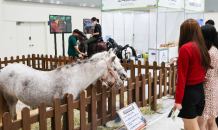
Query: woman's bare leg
[
  {"x": 212, "y": 124},
  {"x": 202, "y": 123},
  {"x": 191, "y": 124}
]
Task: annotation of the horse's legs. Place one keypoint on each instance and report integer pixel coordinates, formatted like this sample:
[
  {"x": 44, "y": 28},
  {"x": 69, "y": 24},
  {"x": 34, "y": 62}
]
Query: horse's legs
[
  {"x": 12, "y": 101},
  {"x": 13, "y": 111}
]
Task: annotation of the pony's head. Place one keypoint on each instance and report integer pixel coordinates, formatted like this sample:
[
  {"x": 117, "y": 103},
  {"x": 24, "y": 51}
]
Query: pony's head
[
  {"x": 117, "y": 65},
  {"x": 112, "y": 79}
]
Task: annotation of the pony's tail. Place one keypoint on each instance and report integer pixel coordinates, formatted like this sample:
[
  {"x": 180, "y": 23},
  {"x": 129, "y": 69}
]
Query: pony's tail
[{"x": 3, "y": 105}]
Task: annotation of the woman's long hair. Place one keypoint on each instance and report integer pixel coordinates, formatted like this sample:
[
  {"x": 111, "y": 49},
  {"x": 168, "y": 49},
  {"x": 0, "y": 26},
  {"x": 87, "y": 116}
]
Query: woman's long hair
[
  {"x": 190, "y": 31},
  {"x": 210, "y": 36}
]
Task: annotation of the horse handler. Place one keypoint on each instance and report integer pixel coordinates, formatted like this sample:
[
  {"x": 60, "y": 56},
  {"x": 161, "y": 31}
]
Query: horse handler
[{"x": 72, "y": 44}]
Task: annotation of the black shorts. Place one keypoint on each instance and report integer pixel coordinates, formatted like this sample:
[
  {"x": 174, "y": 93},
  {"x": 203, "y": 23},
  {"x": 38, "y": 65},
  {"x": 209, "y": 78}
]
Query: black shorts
[{"x": 193, "y": 101}]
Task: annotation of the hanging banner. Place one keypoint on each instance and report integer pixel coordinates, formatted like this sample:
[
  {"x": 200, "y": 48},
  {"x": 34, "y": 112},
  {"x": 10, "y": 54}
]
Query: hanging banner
[
  {"x": 173, "y": 4},
  {"x": 195, "y": 5},
  {"x": 126, "y": 4}
]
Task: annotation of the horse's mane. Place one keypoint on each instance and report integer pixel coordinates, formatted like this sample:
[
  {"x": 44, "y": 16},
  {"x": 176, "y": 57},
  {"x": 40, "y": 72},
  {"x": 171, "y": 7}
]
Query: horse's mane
[{"x": 79, "y": 63}]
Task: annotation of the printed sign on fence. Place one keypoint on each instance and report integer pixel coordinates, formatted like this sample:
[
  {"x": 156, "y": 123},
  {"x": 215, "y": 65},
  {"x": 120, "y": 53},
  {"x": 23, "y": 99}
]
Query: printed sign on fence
[{"x": 132, "y": 117}]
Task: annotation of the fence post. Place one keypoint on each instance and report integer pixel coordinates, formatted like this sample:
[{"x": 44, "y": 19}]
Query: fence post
[
  {"x": 12, "y": 59},
  {"x": 70, "y": 59},
  {"x": 82, "y": 111},
  {"x": 139, "y": 74},
  {"x": 160, "y": 83},
  {"x": 42, "y": 116},
  {"x": 38, "y": 61},
  {"x": 99, "y": 103},
  {"x": 18, "y": 59},
  {"x": 170, "y": 79},
  {"x": 64, "y": 127},
  {"x": 56, "y": 61},
  {"x": 0, "y": 64},
  {"x": 140, "y": 67},
  {"x": 137, "y": 94},
  {"x": 94, "y": 109},
  {"x": 3, "y": 106},
  {"x": 125, "y": 64},
  {"x": 57, "y": 114},
  {"x": 23, "y": 59},
  {"x": 143, "y": 90},
  {"x": 52, "y": 122},
  {"x": 165, "y": 81},
  {"x": 129, "y": 91},
  {"x": 6, "y": 61},
  {"x": 59, "y": 59},
  {"x": 26, "y": 118},
  {"x": 149, "y": 88},
  {"x": 174, "y": 79},
  {"x": 7, "y": 121},
  {"x": 75, "y": 59},
  {"x": 132, "y": 70},
  {"x": 113, "y": 104},
  {"x": 65, "y": 61},
  {"x": 34, "y": 61},
  {"x": 51, "y": 62},
  {"x": 121, "y": 97},
  {"x": 46, "y": 63},
  {"x": 146, "y": 69},
  {"x": 89, "y": 106},
  {"x": 43, "y": 62},
  {"x": 104, "y": 105},
  {"x": 70, "y": 112},
  {"x": 28, "y": 61},
  {"x": 154, "y": 105}
]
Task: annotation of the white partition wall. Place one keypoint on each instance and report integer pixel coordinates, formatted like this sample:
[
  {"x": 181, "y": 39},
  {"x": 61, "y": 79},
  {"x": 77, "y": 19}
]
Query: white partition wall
[
  {"x": 173, "y": 23},
  {"x": 119, "y": 28},
  {"x": 161, "y": 30},
  {"x": 108, "y": 22},
  {"x": 194, "y": 15},
  {"x": 141, "y": 27},
  {"x": 128, "y": 27},
  {"x": 153, "y": 30}
]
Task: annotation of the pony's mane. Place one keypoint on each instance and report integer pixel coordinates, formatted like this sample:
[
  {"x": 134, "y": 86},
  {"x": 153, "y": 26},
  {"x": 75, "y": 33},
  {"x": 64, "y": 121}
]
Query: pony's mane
[{"x": 80, "y": 62}]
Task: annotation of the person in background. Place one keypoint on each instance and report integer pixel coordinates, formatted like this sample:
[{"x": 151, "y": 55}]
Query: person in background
[
  {"x": 95, "y": 36},
  {"x": 210, "y": 22},
  {"x": 217, "y": 117},
  {"x": 72, "y": 44},
  {"x": 193, "y": 61},
  {"x": 210, "y": 88}
]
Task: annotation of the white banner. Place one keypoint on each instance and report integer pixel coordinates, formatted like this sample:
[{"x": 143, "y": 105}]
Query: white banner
[
  {"x": 174, "y": 4},
  {"x": 195, "y": 5},
  {"x": 126, "y": 4}
]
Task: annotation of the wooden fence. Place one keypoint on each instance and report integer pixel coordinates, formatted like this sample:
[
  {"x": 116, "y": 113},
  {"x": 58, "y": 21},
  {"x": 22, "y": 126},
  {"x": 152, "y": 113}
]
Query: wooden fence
[
  {"x": 39, "y": 62},
  {"x": 96, "y": 102}
]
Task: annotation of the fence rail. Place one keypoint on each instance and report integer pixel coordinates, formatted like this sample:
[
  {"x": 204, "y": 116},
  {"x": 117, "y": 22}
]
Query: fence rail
[{"x": 95, "y": 104}]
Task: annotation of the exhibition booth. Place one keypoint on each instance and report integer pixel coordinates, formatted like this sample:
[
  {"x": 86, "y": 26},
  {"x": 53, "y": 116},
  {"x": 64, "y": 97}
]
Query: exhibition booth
[{"x": 151, "y": 27}]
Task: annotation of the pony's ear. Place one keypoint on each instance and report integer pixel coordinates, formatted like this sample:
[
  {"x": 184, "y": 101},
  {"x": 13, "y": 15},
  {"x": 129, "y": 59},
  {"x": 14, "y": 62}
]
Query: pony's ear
[
  {"x": 115, "y": 50},
  {"x": 110, "y": 50},
  {"x": 112, "y": 59}
]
